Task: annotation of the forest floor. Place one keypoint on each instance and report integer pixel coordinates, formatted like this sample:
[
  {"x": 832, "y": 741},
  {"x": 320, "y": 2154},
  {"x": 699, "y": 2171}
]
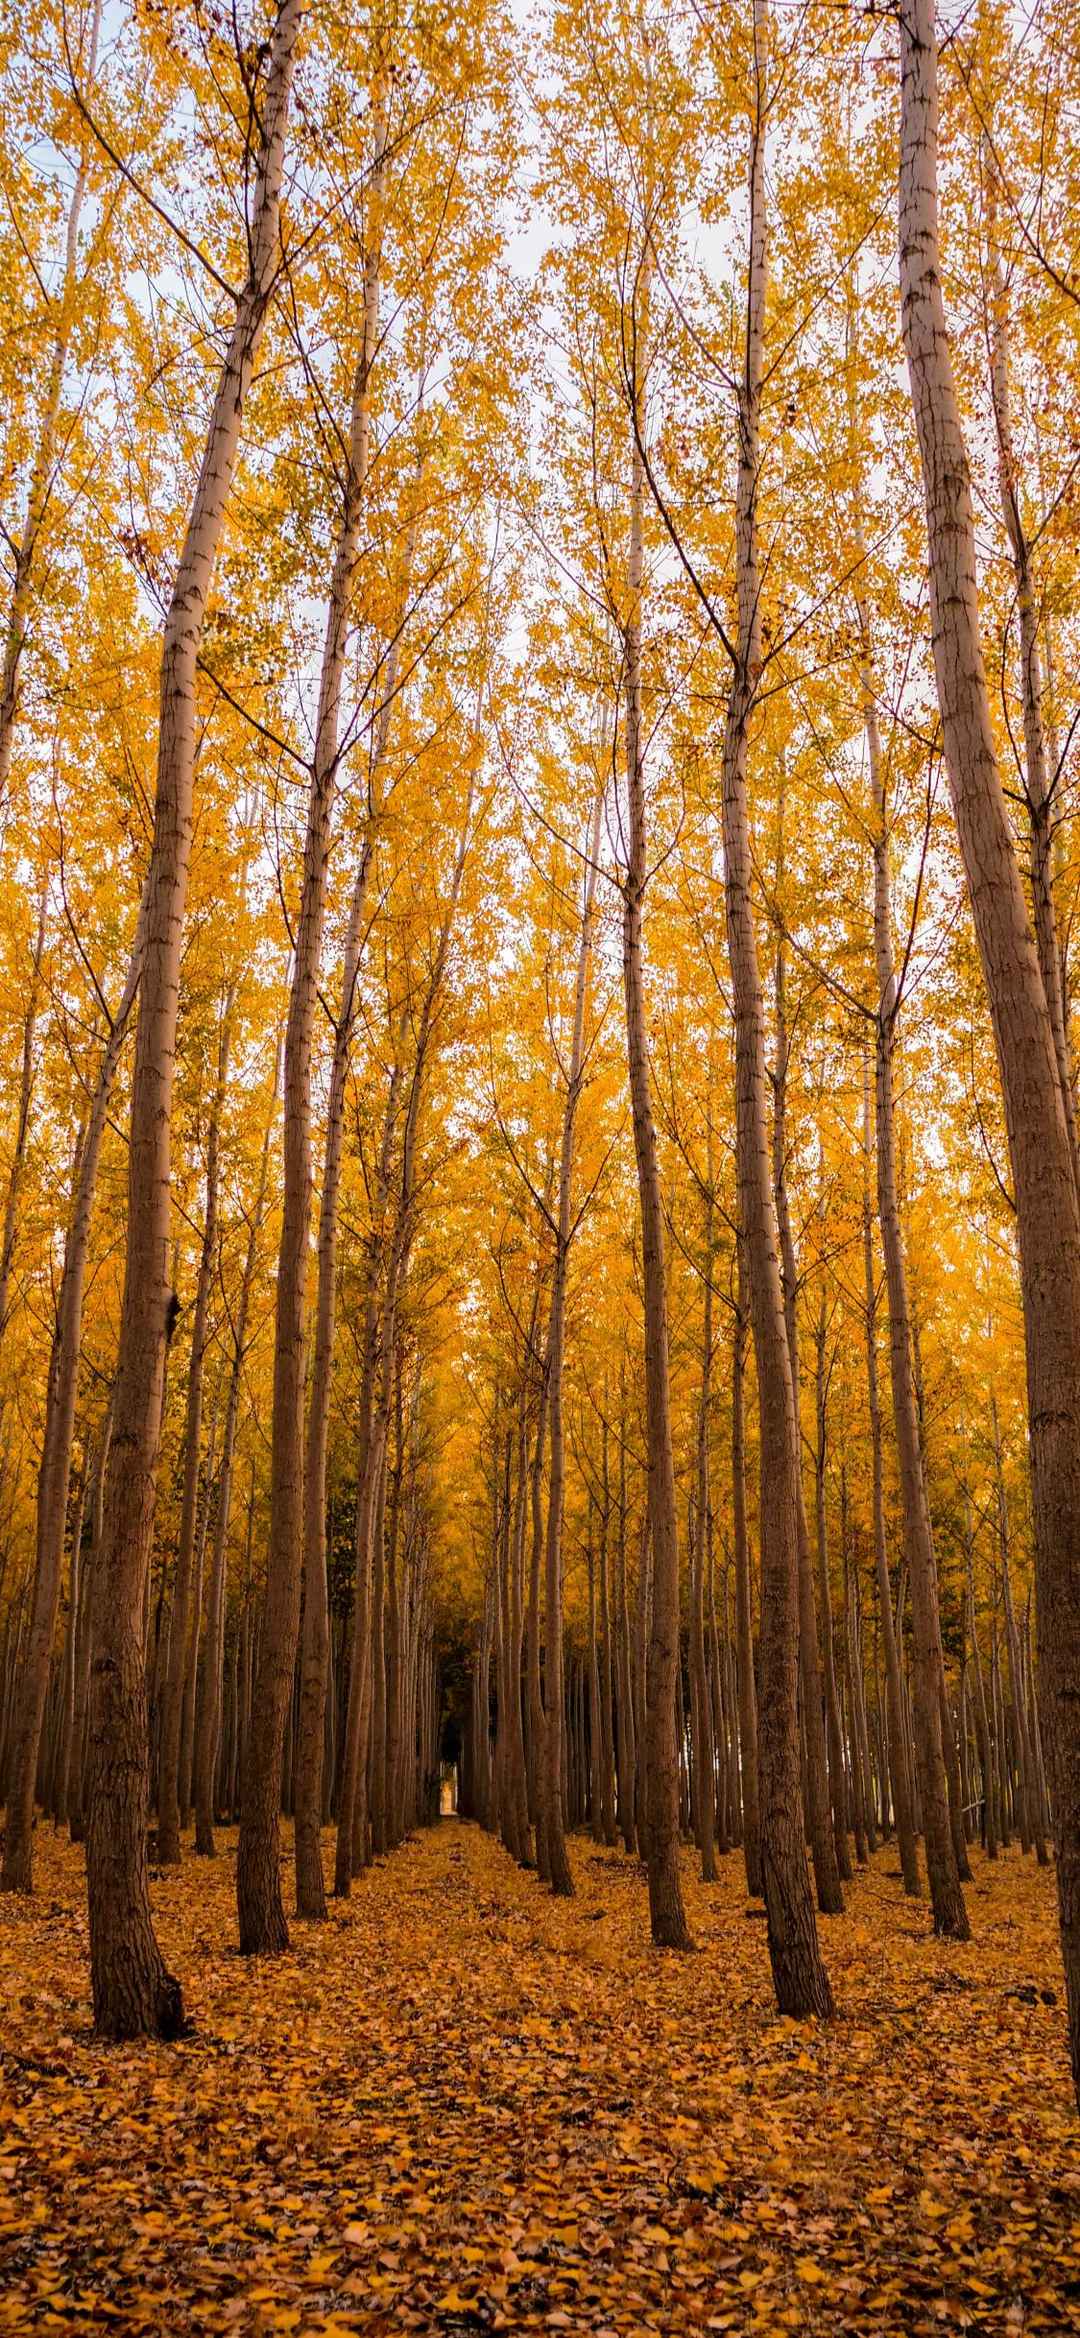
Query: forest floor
[{"x": 461, "y": 2106}]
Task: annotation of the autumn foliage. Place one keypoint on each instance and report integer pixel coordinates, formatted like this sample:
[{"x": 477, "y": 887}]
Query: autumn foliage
[{"x": 539, "y": 1176}]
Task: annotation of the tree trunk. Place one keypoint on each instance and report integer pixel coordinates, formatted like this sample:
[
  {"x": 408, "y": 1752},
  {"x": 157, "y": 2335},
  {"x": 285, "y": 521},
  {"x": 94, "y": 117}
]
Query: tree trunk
[
  {"x": 1048, "y": 1222},
  {"x": 819, "y": 1823},
  {"x": 358, "y": 1708},
  {"x": 607, "y": 1753},
  {"x": 701, "y": 1701},
  {"x": 314, "y": 1659},
  {"x": 182, "y": 1624},
  {"x": 837, "y": 1774},
  {"x": 133, "y": 1991},
  {"x": 76, "y": 1598},
  {"x": 54, "y": 1475},
  {"x": 556, "y": 1863},
  {"x": 532, "y": 1631},
  {"x": 353, "y": 1804},
  {"x": 946, "y": 1895},
  {"x": 799, "y": 1975},
  {"x": 641, "y": 1643},
  {"x": 1030, "y": 1830},
  {"x": 661, "y": 1845},
  {"x": 76, "y": 1787},
  {"x": 518, "y": 1785},
  {"x": 899, "y": 1778},
  {"x": 625, "y": 1803},
  {"x": 209, "y": 1706},
  {"x": 594, "y": 1704},
  {"x": 377, "y": 1741},
  {"x": 263, "y": 1928},
  {"x": 744, "y": 1602}
]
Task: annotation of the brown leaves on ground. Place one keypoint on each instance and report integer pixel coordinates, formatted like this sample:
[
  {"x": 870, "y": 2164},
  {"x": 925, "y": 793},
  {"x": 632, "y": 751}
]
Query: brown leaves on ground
[{"x": 461, "y": 2106}]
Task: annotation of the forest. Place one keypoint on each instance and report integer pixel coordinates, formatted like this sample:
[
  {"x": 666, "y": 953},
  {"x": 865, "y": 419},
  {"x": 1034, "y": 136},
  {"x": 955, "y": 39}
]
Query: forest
[{"x": 539, "y": 1166}]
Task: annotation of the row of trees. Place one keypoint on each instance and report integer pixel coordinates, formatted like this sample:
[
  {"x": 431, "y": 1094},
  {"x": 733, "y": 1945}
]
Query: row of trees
[{"x": 572, "y": 1020}]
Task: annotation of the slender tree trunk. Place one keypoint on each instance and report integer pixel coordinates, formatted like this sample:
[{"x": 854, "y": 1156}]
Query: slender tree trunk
[
  {"x": 557, "y": 1865},
  {"x": 946, "y": 1895},
  {"x": 724, "y": 1711},
  {"x": 396, "y": 1689},
  {"x": 704, "y": 1748},
  {"x": 132, "y": 1988},
  {"x": 819, "y": 1822},
  {"x": 209, "y": 1708},
  {"x": 853, "y": 1590},
  {"x": 1030, "y": 1831},
  {"x": 595, "y": 1749},
  {"x": 314, "y": 1659},
  {"x": 661, "y": 1845},
  {"x": 625, "y": 1806},
  {"x": 358, "y": 1709},
  {"x": 899, "y": 1778},
  {"x": 76, "y": 1595},
  {"x": 353, "y": 1804},
  {"x": 641, "y": 1643},
  {"x": 396, "y": 1275},
  {"x": 607, "y": 1750},
  {"x": 744, "y": 1603},
  {"x": 377, "y": 1742},
  {"x": 982, "y": 1721},
  {"x": 837, "y": 1774},
  {"x": 186, "y": 1761},
  {"x": 84, "y": 1644},
  {"x": 518, "y": 1785},
  {"x": 54, "y": 1475},
  {"x": 184, "y": 1625},
  {"x": 263, "y": 1928},
  {"x": 380, "y": 1325},
  {"x": 363, "y": 1840},
  {"x": 532, "y": 1632},
  {"x": 799, "y": 1976}
]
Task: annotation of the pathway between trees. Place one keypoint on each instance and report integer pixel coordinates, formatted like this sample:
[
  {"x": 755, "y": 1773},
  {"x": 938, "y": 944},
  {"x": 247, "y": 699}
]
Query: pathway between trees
[{"x": 461, "y": 2106}]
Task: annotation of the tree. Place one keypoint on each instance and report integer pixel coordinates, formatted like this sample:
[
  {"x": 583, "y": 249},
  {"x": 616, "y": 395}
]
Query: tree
[
  {"x": 1048, "y": 1219},
  {"x": 552, "y": 1858},
  {"x": 801, "y": 1982},
  {"x": 133, "y": 1990},
  {"x": 669, "y": 1925},
  {"x": 258, "y": 1878}
]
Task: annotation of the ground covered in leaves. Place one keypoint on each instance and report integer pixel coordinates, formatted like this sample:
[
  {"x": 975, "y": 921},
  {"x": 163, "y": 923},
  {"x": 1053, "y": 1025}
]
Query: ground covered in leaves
[{"x": 460, "y": 2106}]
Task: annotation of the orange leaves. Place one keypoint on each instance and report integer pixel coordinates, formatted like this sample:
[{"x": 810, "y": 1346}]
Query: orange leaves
[{"x": 436, "y": 2115}]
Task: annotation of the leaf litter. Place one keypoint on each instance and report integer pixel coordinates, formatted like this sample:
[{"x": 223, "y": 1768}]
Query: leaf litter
[{"x": 463, "y": 2106}]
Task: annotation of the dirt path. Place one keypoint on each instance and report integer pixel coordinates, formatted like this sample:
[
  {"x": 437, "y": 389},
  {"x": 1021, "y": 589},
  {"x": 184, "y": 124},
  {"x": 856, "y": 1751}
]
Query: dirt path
[{"x": 461, "y": 2106}]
